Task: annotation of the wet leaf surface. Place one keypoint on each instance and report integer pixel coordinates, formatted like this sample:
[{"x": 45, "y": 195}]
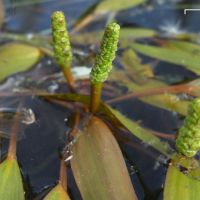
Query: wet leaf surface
[
  {"x": 179, "y": 184},
  {"x": 11, "y": 186},
  {"x": 98, "y": 165},
  {"x": 57, "y": 193},
  {"x": 107, "y": 5},
  {"x": 178, "y": 57},
  {"x": 16, "y": 57}
]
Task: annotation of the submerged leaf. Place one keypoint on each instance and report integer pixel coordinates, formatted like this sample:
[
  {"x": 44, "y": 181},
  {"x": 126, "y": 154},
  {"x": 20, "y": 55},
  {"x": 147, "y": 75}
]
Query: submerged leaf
[
  {"x": 108, "y": 5},
  {"x": 125, "y": 33},
  {"x": 165, "y": 101},
  {"x": 98, "y": 165},
  {"x": 189, "y": 47},
  {"x": 179, "y": 183},
  {"x": 138, "y": 72},
  {"x": 16, "y": 58},
  {"x": 177, "y": 56},
  {"x": 143, "y": 134},
  {"x": 11, "y": 187},
  {"x": 57, "y": 193}
]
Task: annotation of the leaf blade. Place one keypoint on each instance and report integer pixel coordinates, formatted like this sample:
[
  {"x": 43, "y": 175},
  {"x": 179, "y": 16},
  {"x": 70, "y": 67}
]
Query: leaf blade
[
  {"x": 102, "y": 174},
  {"x": 11, "y": 187}
]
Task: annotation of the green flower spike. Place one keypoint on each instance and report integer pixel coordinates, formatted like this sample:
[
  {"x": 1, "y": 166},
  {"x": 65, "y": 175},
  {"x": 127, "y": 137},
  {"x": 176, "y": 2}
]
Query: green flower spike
[
  {"x": 188, "y": 140},
  {"x": 61, "y": 44},
  {"x": 103, "y": 61}
]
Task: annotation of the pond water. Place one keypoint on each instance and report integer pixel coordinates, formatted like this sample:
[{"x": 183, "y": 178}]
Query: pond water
[{"x": 41, "y": 140}]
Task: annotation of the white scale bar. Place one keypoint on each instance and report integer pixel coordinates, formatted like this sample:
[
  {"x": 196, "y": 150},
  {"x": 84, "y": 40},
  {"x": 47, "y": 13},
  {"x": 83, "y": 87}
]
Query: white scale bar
[{"x": 192, "y": 9}]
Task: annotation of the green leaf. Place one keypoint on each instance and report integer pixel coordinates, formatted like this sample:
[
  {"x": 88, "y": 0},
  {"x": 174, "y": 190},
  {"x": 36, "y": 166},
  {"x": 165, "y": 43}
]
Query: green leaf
[
  {"x": 138, "y": 72},
  {"x": 16, "y": 58},
  {"x": 98, "y": 165},
  {"x": 165, "y": 101},
  {"x": 180, "y": 184},
  {"x": 188, "y": 47},
  {"x": 125, "y": 33},
  {"x": 175, "y": 56},
  {"x": 108, "y": 5},
  {"x": 57, "y": 193},
  {"x": 145, "y": 135},
  {"x": 11, "y": 187}
]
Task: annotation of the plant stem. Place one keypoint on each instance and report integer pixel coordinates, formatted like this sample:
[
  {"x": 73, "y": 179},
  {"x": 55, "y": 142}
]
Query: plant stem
[
  {"x": 69, "y": 77},
  {"x": 13, "y": 138},
  {"x": 63, "y": 174},
  {"x": 95, "y": 96},
  {"x": 1, "y": 12}
]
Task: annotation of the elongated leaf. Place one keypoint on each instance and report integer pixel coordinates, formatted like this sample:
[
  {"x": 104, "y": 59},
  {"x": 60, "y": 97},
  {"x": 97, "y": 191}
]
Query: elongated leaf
[
  {"x": 138, "y": 72},
  {"x": 1, "y": 12},
  {"x": 165, "y": 101},
  {"x": 108, "y": 5},
  {"x": 179, "y": 57},
  {"x": 57, "y": 193},
  {"x": 125, "y": 33},
  {"x": 98, "y": 166},
  {"x": 16, "y": 58},
  {"x": 143, "y": 134},
  {"x": 11, "y": 187},
  {"x": 189, "y": 47},
  {"x": 179, "y": 184}
]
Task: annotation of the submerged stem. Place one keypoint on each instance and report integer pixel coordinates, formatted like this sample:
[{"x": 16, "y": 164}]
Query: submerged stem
[
  {"x": 13, "y": 138},
  {"x": 63, "y": 174}
]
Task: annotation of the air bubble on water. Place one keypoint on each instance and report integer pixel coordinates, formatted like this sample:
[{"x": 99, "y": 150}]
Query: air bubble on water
[
  {"x": 49, "y": 62},
  {"x": 133, "y": 170},
  {"x": 28, "y": 116},
  {"x": 161, "y": 159},
  {"x": 53, "y": 87},
  {"x": 81, "y": 72},
  {"x": 29, "y": 36}
]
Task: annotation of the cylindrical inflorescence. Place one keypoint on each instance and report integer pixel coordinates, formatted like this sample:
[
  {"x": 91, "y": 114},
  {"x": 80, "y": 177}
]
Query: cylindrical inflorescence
[
  {"x": 61, "y": 44},
  {"x": 188, "y": 140},
  {"x": 103, "y": 60}
]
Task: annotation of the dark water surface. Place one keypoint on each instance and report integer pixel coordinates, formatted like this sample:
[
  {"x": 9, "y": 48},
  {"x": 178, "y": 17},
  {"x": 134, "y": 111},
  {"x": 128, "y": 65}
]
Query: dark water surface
[{"x": 38, "y": 150}]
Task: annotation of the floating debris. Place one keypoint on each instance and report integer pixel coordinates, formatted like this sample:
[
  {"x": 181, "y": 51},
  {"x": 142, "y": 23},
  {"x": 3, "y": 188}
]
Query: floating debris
[{"x": 26, "y": 116}]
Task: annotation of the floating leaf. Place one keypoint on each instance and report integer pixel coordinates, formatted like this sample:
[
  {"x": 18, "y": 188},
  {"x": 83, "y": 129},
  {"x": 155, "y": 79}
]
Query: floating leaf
[
  {"x": 98, "y": 165},
  {"x": 11, "y": 187},
  {"x": 108, "y": 5},
  {"x": 178, "y": 57},
  {"x": 57, "y": 193},
  {"x": 180, "y": 184},
  {"x": 16, "y": 58}
]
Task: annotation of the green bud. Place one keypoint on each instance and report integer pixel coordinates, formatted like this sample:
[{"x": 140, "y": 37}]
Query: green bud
[
  {"x": 103, "y": 60},
  {"x": 61, "y": 44},
  {"x": 188, "y": 140}
]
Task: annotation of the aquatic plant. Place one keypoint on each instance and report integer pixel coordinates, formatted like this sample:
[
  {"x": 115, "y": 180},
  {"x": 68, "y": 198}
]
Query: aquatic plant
[
  {"x": 188, "y": 140},
  {"x": 103, "y": 63},
  {"x": 61, "y": 45},
  {"x": 92, "y": 150}
]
